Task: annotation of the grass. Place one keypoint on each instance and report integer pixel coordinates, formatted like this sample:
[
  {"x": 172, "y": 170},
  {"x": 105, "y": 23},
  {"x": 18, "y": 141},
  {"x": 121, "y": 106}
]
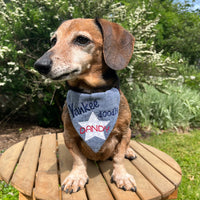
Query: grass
[
  {"x": 7, "y": 192},
  {"x": 185, "y": 149}
]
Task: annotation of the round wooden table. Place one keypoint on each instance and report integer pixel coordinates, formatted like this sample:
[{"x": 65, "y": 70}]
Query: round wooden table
[{"x": 37, "y": 167}]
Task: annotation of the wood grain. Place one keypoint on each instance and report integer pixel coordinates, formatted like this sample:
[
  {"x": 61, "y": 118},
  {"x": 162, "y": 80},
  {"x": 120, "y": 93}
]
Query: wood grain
[
  {"x": 174, "y": 195},
  {"x": 97, "y": 188},
  {"x": 24, "y": 197},
  {"x": 145, "y": 189},
  {"x": 65, "y": 164},
  {"x": 172, "y": 175},
  {"x": 157, "y": 175},
  {"x": 46, "y": 185},
  {"x": 164, "y": 186},
  {"x": 163, "y": 156},
  {"x": 119, "y": 194},
  {"x": 9, "y": 160},
  {"x": 24, "y": 176}
]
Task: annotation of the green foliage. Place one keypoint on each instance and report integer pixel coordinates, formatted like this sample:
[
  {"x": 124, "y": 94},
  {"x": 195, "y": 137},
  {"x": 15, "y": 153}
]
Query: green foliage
[
  {"x": 7, "y": 192},
  {"x": 193, "y": 80},
  {"x": 184, "y": 148},
  {"x": 161, "y": 29},
  {"x": 188, "y": 74},
  {"x": 178, "y": 29},
  {"x": 147, "y": 65},
  {"x": 177, "y": 109},
  {"x": 25, "y": 29}
]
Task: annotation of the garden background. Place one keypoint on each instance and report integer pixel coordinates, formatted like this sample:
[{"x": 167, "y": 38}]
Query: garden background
[{"x": 161, "y": 83}]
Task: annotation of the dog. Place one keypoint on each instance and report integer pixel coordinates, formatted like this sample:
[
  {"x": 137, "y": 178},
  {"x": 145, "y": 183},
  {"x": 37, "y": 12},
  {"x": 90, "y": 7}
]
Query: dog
[{"x": 86, "y": 53}]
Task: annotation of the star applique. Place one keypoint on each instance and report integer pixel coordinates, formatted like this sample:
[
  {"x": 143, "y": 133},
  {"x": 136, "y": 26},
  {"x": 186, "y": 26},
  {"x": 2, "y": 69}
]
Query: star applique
[{"x": 94, "y": 127}]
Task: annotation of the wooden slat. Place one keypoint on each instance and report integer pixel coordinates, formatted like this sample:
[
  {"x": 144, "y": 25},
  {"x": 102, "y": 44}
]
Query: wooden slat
[
  {"x": 9, "y": 160},
  {"x": 46, "y": 184},
  {"x": 164, "y": 186},
  {"x": 24, "y": 197},
  {"x": 145, "y": 189},
  {"x": 161, "y": 166},
  {"x": 119, "y": 194},
  {"x": 165, "y": 157},
  {"x": 24, "y": 176},
  {"x": 156, "y": 173},
  {"x": 65, "y": 164},
  {"x": 97, "y": 188},
  {"x": 174, "y": 195}
]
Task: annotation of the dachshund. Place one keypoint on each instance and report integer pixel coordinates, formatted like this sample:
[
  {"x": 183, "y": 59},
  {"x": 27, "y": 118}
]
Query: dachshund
[{"x": 86, "y": 53}]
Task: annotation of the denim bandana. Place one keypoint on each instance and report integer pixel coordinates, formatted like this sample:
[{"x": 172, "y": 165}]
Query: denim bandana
[{"x": 94, "y": 115}]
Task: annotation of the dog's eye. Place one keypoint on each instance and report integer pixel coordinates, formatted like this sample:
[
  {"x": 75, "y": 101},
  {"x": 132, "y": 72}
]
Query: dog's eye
[
  {"x": 82, "y": 41},
  {"x": 53, "y": 41}
]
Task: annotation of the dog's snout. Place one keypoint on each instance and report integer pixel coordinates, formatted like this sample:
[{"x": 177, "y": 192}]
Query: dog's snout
[{"x": 44, "y": 64}]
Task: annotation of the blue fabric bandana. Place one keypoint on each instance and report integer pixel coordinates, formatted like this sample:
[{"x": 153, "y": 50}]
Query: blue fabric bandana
[{"x": 94, "y": 115}]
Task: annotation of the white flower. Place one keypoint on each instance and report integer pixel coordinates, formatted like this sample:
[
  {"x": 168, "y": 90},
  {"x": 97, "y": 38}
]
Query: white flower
[
  {"x": 33, "y": 71},
  {"x": 52, "y": 34},
  {"x": 47, "y": 81},
  {"x": 71, "y": 9},
  {"x": 20, "y": 52},
  {"x": 11, "y": 63},
  {"x": 16, "y": 68},
  {"x": 2, "y": 84},
  {"x": 180, "y": 61},
  {"x": 192, "y": 77},
  {"x": 56, "y": 16}
]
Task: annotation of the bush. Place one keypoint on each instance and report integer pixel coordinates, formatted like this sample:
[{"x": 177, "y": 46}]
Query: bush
[
  {"x": 178, "y": 109},
  {"x": 25, "y": 29}
]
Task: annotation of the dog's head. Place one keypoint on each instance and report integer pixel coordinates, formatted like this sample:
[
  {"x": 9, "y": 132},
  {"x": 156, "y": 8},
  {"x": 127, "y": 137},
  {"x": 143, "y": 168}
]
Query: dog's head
[{"x": 80, "y": 44}]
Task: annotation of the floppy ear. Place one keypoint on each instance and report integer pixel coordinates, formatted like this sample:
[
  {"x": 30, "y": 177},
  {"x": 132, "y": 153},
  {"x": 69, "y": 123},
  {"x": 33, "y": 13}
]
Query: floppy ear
[{"x": 118, "y": 44}]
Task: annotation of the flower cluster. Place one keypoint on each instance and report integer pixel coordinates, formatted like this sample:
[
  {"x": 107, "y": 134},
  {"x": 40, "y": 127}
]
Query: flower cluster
[{"x": 145, "y": 56}]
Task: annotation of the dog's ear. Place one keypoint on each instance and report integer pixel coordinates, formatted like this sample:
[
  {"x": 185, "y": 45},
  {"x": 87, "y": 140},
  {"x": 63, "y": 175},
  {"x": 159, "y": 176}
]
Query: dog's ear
[{"x": 118, "y": 44}]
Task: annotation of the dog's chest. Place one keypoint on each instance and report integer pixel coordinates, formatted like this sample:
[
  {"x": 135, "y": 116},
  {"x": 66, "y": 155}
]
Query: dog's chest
[{"x": 94, "y": 115}]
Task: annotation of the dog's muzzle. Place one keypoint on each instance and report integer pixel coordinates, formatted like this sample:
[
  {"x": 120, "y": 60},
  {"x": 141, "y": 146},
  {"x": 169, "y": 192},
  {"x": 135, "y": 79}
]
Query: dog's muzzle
[{"x": 43, "y": 64}]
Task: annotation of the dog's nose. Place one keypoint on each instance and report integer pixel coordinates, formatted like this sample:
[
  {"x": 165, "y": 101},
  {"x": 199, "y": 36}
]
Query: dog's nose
[{"x": 44, "y": 64}]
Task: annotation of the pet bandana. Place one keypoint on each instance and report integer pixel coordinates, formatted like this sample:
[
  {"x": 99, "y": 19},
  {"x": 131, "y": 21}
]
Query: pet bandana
[{"x": 94, "y": 115}]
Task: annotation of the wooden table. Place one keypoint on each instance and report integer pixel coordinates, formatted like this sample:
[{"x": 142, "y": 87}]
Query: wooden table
[{"x": 37, "y": 166}]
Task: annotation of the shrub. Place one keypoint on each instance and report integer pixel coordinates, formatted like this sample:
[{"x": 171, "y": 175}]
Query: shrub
[
  {"x": 178, "y": 109},
  {"x": 25, "y": 29}
]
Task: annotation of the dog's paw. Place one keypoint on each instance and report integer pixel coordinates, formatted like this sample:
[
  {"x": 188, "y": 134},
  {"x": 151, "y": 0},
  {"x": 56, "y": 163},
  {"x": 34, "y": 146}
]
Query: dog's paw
[
  {"x": 75, "y": 182},
  {"x": 124, "y": 181},
  {"x": 130, "y": 154}
]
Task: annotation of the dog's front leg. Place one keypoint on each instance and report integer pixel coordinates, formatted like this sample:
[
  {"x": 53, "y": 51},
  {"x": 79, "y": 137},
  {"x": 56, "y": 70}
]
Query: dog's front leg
[
  {"x": 120, "y": 176},
  {"x": 78, "y": 177}
]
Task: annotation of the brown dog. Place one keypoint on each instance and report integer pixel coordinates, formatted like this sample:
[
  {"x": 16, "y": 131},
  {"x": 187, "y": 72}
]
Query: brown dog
[{"x": 86, "y": 53}]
